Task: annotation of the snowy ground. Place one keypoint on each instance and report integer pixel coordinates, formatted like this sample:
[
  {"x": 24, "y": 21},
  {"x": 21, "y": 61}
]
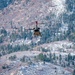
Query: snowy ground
[
  {"x": 60, "y": 47},
  {"x": 43, "y": 69}
]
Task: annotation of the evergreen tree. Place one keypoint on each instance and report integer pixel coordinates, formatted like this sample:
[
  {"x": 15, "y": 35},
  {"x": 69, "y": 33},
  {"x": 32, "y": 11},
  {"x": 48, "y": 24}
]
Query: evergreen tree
[
  {"x": 1, "y": 39},
  {"x": 74, "y": 72},
  {"x": 50, "y": 56},
  {"x": 69, "y": 57},
  {"x": 54, "y": 56},
  {"x": 60, "y": 58},
  {"x": 12, "y": 57}
]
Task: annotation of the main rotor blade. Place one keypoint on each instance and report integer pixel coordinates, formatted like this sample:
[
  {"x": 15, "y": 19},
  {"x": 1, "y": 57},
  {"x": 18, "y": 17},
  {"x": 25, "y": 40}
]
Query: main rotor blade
[
  {"x": 29, "y": 29},
  {"x": 53, "y": 6}
]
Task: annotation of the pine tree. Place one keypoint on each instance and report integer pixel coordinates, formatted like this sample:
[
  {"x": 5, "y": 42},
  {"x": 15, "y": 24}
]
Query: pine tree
[
  {"x": 50, "y": 56},
  {"x": 60, "y": 58},
  {"x": 74, "y": 72}
]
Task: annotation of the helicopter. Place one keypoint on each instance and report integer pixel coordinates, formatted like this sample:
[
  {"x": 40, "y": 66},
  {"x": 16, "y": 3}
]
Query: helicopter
[{"x": 36, "y": 29}]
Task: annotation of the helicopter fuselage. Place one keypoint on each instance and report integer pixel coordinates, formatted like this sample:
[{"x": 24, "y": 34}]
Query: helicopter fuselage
[{"x": 37, "y": 32}]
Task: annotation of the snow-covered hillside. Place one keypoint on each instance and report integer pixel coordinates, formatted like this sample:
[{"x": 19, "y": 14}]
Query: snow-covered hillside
[
  {"x": 23, "y": 12},
  {"x": 45, "y": 69},
  {"x": 20, "y": 48},
  {"x": 18, "y": 15}
]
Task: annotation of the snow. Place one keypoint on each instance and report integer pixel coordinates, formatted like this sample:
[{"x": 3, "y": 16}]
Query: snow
[
  {"x": 43, "y": 69},
  {"x": 60, "y": 6},
  {"x": 36, "y": 39},
  {"x": 21, "y": 42},
  {"x": 27, "y": 41},
  {"x": 59, "y": 44},
  {"x": 60, "y": 47},
  {"x": 64, "y": 27}
]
